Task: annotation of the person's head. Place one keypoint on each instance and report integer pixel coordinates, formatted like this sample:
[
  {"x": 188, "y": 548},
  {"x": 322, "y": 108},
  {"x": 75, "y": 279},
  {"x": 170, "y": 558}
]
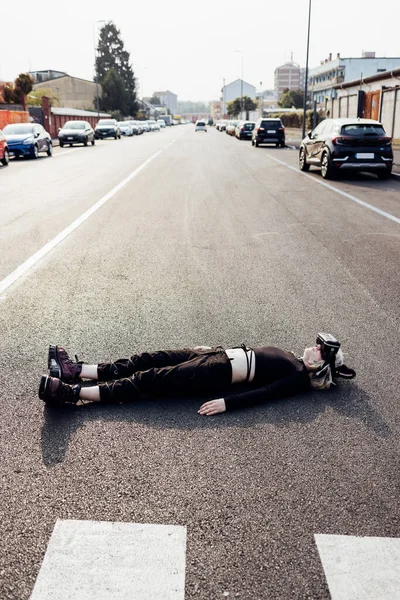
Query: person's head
[{"x": 320, "y": 371}]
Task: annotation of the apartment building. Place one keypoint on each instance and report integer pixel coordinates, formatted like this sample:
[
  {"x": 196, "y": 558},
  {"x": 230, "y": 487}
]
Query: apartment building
[
  {"x": 289, "y": 76},
  {"x": 168, "y": 99}
]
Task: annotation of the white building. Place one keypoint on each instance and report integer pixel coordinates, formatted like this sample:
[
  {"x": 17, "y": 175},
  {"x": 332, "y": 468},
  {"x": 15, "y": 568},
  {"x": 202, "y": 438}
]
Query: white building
[
  {"x": 168, "y": 99},
  {"x": 236, "y": 89},
  {"x": 289, "y": 76},
  {"x": 330, "y": 73}
]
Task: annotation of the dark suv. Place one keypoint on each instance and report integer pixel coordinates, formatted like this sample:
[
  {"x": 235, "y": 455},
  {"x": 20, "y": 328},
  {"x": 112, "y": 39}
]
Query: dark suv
[
  {"x": 347, "y": 144},
  {"x": 268, "y": 131}
]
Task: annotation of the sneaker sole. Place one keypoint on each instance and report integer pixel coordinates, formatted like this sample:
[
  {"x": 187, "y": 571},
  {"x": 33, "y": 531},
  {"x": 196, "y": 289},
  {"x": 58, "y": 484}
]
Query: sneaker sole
[
  {"x": 52, "y": 362},
  {"x": 44, "y": 382}
]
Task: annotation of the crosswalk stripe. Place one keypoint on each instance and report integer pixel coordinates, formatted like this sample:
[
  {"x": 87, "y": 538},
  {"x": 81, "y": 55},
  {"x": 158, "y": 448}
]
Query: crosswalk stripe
[
  {"x": 99, "y": 560},
  {"x": 360, "y": 568}
]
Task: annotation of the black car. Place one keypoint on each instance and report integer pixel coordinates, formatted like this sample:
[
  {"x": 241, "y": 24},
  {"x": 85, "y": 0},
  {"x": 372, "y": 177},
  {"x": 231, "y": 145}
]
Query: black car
[
  {"x": 268, "y": 131},
  {"x": 76, "y": 132},
  {"x": 347, "y": 144},
  {"x": 244, "y": 130},
  {"x": 106, "y": 128}
]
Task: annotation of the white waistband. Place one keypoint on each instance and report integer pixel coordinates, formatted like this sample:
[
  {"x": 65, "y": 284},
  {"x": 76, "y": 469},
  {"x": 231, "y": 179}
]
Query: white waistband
[{"x": 238, "y": 360}]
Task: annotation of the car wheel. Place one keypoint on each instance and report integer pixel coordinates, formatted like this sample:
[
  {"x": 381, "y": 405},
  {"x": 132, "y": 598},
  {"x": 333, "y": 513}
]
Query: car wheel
[
  {"x": 6, "y": 158},
  {"x": 93, "y": 141},
  {"x": 327, "y": 170},
  {"x": 49, "y": 151},
  {"x": 302, "y": 161},
  {"x": 35, "y": 152},
  {"x": 252, "y": 142},
  {"x": 384, "y": 174},
  {"x": 61, "y": 144},
  {"x": 115, "y": 137},
  {"x": 256, "y": 144},
  {"x": 85, "y": 142},
  {"x": 283, "y": 144},
  {"x": 70, "y": 145},
  {"x": 277, "y": 145}
]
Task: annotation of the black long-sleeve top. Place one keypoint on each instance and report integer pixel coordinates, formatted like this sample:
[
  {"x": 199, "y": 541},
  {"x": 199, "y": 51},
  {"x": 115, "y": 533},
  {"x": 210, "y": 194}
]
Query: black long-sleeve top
[{"x": 277, "y": 374}]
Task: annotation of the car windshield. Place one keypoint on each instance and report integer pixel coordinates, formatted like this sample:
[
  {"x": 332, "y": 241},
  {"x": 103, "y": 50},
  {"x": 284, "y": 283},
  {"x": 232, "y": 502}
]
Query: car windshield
[
  {"x": 271, "y": 124},
  {"x": 17, "y": 128},
  {"x": 106, "y": 123},
  {"x": 201, "y": 124},
  {"x": 249, "y": 126},
  {"x": 73, "y": 125},
  {"x": 361, "y": 130}
]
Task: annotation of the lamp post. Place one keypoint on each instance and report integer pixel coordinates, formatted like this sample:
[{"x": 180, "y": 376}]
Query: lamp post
[
  {"x": 306, "y": 74},
  {"x": 241, "y": 86},
  {"x": 95, "y": 67}
]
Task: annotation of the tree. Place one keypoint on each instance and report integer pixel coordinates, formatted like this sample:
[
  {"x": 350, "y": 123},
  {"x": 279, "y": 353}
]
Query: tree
[
  {"x": 291, "y": 98},
  {"x": 234, "y": 108},
  {"x": 111, "y": 55},
  {"x": 155, "y": 101},
  {"x": 35, "y": 97},
  {"x": 114, "y": 93},
  {"x": 23, "y": 85}
]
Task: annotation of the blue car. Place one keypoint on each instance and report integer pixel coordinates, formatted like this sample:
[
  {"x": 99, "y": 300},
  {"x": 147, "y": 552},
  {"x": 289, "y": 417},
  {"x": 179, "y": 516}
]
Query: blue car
[{"x": 27, "y": 139}]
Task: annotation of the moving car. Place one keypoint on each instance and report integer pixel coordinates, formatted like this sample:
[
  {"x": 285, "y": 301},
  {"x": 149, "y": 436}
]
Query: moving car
[
  {"x": 244, "y": 129},
  {"x": 27, "y": 139},
  {"x": 76, "y": 132},
  {"x": 347, "y": 144},
  {"x": 268, "y": 131},
  {"x": 4, "y": 155},
  {"x": 107, "y": 128},
  {"x": 200, "y": 126},
  {"x": 125, "y": 128}
]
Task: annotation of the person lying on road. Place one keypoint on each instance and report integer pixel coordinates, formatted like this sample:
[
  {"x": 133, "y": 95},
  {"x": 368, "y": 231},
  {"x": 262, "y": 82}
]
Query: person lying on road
[{"x": 269, "y": 373}]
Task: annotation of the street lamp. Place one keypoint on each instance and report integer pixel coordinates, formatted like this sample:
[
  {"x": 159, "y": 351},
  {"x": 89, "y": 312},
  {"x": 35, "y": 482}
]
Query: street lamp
[
  {"x": 95, "y": 66},
  {"x": 306, "y": 74},
  {"x": 241, "y": 86}
]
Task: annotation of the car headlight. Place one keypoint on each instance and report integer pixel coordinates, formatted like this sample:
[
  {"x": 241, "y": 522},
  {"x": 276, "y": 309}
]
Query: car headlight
[{"x": 29, "y": 140}]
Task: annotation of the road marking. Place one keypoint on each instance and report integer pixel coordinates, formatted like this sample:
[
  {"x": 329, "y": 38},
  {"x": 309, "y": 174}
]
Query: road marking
[
  {"x": 28, "y": 264},
  {"x": 99, "y": 560},
  {"x": 337, "y": 190},
  {"x": 360, "y": 568}
]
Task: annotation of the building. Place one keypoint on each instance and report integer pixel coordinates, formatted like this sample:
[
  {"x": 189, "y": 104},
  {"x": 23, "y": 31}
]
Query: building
[
  {"x": 169, "y": 100},
  {"x": 267, "y": 99},
  {"x": 236, "y": 89},
  {"x": 70, "y": 92},
  {"x": 289, "y": 76},
  {"x": 331, "y": 73}
]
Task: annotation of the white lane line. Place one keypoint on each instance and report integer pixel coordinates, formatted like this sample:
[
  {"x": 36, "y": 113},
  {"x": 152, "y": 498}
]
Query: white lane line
[
  {"x": 99, "y": 560},
  {"x": 360, "y": 568},
  {"x": 338, "y": 191},
  {"x": 28, "y": 264}
]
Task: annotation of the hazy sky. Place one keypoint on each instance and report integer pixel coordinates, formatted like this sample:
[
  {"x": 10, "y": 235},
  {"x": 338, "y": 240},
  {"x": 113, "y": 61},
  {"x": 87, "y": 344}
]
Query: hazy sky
[{"x": 189, "y": 47}]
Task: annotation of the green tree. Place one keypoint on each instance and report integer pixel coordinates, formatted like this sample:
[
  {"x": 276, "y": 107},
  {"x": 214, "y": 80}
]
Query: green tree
[
  {"x": 111, "y": 56},
  {"x": 155, "y": 101},
  {"x": 114, "y": 96},
  {"x": 23, "y": 86},
  {"x": 238, "y": 105},
  {"x": 291, "y": 98},
  {"x": 34, "y": 98}
]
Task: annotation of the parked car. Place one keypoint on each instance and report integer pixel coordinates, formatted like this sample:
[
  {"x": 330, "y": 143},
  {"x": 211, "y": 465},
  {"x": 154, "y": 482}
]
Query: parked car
[
  {"x": 201, "y": 126},
  {"x": 4, "y": 154},
  {"x": 145, "y": 125},
  {"x": 76, "y": 132},
  {"x": 244, "y": 130},
  {"x": 222, "y": 125},
  {"x": 268, "y": 131},
  {"x": 230, "y": 127},
  {"x": 125, "y": 128},
  {"x": 27, "y": 139},
  {"x": 156, "y": 126},
  {"x": 347, "y": 144},
  {"x": 107, "y": 128},
  {"x": 161, "y": 123}
]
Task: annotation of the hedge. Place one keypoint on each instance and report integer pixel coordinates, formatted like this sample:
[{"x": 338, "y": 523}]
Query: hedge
[{"x": 295, "y": 119}]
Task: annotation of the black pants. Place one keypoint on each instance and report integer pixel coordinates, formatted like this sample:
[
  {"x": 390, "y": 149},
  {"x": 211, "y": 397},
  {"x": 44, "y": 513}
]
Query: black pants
[{"x": 168, "y": 372}]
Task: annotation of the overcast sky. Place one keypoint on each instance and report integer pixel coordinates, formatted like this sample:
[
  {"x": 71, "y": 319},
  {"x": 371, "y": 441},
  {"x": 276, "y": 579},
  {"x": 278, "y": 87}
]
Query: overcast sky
[{"x": 189, "y": 47}]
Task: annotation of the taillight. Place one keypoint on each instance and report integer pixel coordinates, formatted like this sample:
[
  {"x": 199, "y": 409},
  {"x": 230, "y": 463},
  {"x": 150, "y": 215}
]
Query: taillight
[
  {"x": 261, "y": 129},
  {"x": 281, "y": 129},
  {"x": 386, "y": 141},
  {"x": 341, "y": 140},
  {"x": 242, "y": 129}
]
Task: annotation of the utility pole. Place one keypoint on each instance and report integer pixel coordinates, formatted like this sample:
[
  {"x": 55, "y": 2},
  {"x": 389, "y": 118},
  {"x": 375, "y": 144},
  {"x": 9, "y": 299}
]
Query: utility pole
[
  {"x": 306, "y": 74},
  {"x": 241, "y": 87}
]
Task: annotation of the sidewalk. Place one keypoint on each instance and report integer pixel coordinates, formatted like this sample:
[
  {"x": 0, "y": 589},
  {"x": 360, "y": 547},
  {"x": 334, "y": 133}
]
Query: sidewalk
[{"x": 293, "y": 139}]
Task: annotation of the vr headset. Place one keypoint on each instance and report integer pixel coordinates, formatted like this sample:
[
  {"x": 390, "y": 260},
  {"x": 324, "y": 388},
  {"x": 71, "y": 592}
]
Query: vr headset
[{"x": 329, "y": 348}]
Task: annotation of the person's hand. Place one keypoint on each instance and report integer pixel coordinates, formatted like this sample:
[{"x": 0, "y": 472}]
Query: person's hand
[
  {"x": 202, "y": 348},
  {"x": 213, "y": 407}
]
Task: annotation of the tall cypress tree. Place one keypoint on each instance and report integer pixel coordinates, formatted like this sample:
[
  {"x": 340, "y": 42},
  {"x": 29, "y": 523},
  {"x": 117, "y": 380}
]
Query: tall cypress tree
[{"x": 111, "y": 55}]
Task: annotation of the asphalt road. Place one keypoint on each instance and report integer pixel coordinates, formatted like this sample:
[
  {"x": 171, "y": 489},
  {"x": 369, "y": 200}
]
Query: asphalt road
[{"x": 212, "y": 242}]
